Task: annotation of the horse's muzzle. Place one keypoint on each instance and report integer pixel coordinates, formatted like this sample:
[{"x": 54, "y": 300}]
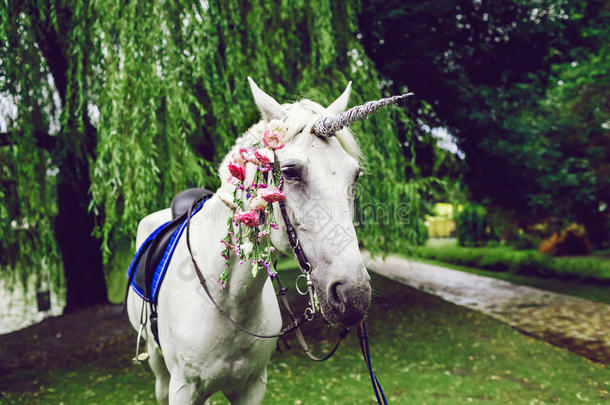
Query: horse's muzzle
[{"x": 346, "y": 301}]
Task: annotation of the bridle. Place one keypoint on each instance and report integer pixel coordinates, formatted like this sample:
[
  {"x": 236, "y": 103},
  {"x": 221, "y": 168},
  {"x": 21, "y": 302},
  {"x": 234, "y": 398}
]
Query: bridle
[
  {"x": 308, "y": 314},
  {"x": 295, "y": 322}
]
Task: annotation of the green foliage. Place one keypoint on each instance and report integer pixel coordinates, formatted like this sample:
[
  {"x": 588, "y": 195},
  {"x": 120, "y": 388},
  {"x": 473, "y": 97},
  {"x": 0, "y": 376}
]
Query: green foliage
[
  {"x": 526, "y": 262},
  {"x": 179, "y": 79},
  {"x": 575, "y": 114},
  {"x": 27, "y": 206},
  {"x": 120, "y": 106},
  {"x": 422, "y": 233},
  {"x": 522, "y": 85},
  {"x": 473, "y": 226}
]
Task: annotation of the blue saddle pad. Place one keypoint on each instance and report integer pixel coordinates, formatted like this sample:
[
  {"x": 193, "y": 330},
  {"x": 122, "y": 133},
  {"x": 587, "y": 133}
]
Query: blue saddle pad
[{"x": 135, "y": 270}]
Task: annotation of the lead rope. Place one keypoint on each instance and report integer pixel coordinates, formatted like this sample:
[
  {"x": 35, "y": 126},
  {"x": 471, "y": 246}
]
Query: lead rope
[{"x": 364, "y": 346}]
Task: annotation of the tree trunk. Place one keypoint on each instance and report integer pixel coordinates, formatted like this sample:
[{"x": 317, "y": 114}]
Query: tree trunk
[
  {"x": 81, "y": 251},
  {"x": 73, "y": 227}
]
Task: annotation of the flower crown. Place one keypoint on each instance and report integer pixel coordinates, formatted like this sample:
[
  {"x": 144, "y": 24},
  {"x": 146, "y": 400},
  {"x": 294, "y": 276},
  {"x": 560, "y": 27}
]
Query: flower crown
[{"x": 253, "y": 174}]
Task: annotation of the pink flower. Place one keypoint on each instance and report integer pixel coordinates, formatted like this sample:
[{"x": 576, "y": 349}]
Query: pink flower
[
  {"x": 248, "y": 155},
  {"x": 273, "y": 140},
  {"x": 264, "y": 156},
  {"x": 250, "y": 218},
  {"x": 271, "y": 194},
  {"x": 237, "y": 170},
  {"x": 274, "y": 134},
  {"x": 258, "y": 204},
  {"x": 237, "y": 157}
]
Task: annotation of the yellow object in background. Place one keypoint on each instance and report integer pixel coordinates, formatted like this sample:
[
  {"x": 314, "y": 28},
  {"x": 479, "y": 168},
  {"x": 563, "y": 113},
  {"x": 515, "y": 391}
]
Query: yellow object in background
[{"x": 441, "y": 224}]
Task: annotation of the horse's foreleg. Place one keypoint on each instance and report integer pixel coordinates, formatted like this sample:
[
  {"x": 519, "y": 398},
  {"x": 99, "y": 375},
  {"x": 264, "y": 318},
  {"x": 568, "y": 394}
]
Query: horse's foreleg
[
  {"x": 182, "y": 392},
  {"x": 252, "y": 393},
  {"x": 157, "y": 365}
]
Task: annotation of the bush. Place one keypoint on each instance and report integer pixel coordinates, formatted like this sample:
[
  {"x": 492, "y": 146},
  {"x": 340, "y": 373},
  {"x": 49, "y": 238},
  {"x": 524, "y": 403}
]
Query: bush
[
  {"x": 523, "y": 262},
  {"x": 523, "y": 241},
  {"x": 473, "y": 227},
  {"x": 570, "y": 241},
  {"x": 422, "y": 233}
]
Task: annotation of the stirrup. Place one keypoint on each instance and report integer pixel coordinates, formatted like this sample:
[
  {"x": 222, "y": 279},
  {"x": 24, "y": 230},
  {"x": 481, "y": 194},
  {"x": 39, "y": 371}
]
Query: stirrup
[{"x": 140, "y": 357}]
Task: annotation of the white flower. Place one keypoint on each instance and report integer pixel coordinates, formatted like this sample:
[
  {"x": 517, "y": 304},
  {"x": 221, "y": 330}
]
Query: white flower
[
  {"x": 247, "y": 247},
  {"x": 258, "y": 204},
  {"x": 227, "y": 199},
  {"x": 250, "y": 174},
  {"x": 274, "y": 134},
  {"x": 237, "y": 158}
]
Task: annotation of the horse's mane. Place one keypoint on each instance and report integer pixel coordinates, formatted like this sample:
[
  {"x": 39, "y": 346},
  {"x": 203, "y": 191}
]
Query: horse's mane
[{"x": 301, "y": 114}]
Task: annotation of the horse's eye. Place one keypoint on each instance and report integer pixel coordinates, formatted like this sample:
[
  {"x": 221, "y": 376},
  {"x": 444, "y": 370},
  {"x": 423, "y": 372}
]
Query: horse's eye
[{"x": 291, "y": 173}]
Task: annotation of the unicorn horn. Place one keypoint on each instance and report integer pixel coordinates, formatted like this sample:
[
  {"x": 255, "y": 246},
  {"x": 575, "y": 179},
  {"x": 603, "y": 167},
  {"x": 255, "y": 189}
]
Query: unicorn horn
[{"x": 328, "y": 126}]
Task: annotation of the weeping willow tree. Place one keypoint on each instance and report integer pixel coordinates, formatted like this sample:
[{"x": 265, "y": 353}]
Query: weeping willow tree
[
  {"x": 169, "y": 82},
  {"x": 48, "y": 72}
]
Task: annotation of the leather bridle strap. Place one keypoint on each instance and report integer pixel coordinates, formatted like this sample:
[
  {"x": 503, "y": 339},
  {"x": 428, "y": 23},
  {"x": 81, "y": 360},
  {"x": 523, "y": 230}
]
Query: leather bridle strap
[
  {"x": 295, "y": 323},
  {"x": 305, "y": 266},
  {"x": 293, "y": 239}
]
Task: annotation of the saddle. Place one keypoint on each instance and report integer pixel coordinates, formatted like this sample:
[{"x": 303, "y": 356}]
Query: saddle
[{"x": 148, "y": 266}]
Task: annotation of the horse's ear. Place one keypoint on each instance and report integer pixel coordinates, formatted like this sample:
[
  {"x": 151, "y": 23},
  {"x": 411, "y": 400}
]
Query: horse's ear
[
  {"x": 340, "y": 104},
  {"x": 269, "y": 108}
]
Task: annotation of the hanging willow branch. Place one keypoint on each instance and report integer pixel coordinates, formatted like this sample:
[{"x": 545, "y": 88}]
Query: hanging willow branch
[{"x": 171, "y": 91}]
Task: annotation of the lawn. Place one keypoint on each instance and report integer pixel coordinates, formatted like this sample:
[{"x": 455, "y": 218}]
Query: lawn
[{"x": 425, "y": 351}]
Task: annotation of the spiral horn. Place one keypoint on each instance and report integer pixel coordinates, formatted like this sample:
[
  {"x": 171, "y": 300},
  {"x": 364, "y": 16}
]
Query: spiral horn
[{"x": 328, "y": 126}]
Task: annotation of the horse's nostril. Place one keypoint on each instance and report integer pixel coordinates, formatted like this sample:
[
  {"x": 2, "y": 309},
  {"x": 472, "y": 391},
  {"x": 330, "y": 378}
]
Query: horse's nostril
[{"x": 337, "y": 296}]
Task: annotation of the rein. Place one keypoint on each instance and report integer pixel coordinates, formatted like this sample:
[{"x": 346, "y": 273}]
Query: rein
[
  {"x": 308, "y": 314},
  {"x": 305, "y": 266}
]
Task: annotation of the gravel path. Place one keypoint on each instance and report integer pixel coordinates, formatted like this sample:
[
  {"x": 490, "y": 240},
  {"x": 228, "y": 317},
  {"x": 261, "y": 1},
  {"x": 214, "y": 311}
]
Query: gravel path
[{"x": 580, "y": 325}]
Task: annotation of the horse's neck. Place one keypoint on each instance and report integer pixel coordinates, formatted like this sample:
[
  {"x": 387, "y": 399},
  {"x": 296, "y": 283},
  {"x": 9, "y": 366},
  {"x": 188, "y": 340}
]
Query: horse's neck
[{"x": 242, "y": 286}]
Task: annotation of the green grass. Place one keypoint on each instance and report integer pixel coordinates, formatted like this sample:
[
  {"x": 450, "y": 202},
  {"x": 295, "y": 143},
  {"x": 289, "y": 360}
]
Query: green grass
[
  {"x": 425, "y": 351},
  {"x": 521, "y": 262}
]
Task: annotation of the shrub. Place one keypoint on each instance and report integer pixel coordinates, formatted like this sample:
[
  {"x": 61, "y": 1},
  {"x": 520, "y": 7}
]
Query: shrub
[
  {"x": 422, "y": 233},
  {"x": 570, "y": 241},
  {"x": 524, "y": 262},
  {"x": 523, "y": 241},
  {"x": 473, "y": 226}
]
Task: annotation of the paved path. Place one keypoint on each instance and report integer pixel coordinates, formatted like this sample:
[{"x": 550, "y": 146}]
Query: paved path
[{"x": 582, "y": 326}]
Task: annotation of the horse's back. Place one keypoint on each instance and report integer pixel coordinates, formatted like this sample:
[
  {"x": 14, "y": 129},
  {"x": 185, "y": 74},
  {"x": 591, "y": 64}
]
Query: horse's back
[{"x": 149, "y": 223}]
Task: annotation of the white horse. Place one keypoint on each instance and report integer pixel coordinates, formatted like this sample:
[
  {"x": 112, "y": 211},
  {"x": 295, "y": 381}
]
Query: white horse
[{"x": 202, "y": 353}]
